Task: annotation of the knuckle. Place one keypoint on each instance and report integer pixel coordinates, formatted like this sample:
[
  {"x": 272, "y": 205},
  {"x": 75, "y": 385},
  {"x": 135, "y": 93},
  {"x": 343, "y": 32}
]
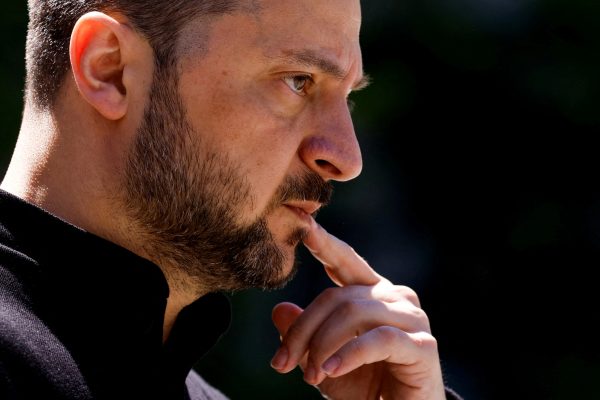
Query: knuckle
[
  {"x": 426, "y": 341},
  {"x": 409, "y": 294},
  {"x": 387, "y": 335},
  {"x": 420, "y": 316},
  {"x": 418, "y": 313}
]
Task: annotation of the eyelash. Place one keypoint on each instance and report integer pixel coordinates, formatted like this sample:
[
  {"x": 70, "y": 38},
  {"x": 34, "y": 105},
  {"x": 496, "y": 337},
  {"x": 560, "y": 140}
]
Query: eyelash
[
  {"x": 308, "y": 82},
  {"x": 289, "y": 81},
  {"x": 351, "y": 105}
]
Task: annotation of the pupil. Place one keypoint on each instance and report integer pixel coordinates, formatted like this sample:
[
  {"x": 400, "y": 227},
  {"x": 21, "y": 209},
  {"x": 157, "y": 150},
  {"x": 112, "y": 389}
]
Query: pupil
[{"x": 299, "y": 83}]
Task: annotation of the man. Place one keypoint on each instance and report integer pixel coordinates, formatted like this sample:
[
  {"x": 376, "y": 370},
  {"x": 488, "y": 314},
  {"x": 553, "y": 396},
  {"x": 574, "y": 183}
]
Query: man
[{"x": 173, "y": 150}]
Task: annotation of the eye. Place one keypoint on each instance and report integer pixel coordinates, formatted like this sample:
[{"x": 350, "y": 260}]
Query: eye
[{"x": 298, "y": 83}]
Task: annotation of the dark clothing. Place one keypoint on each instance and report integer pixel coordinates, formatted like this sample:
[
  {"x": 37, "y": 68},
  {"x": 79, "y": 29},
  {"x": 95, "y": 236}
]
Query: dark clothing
[{"x": 82, "y": 318}]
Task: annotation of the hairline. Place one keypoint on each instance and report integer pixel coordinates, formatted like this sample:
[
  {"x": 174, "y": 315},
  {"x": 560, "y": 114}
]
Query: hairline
[{"x": 165, "y": 44}]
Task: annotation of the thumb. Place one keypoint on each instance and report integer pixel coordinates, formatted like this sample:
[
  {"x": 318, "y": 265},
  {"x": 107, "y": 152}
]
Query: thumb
[{"x": 284, "y": 315}]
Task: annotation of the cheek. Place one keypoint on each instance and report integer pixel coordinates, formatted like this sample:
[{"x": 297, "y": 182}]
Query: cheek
[
  {"x": 248, "y": 125},
  {"x": 267, "y": 165}
]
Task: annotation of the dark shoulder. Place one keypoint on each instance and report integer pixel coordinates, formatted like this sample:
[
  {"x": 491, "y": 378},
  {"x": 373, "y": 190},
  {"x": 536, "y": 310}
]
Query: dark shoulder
[{"x": 33, "y": 362}]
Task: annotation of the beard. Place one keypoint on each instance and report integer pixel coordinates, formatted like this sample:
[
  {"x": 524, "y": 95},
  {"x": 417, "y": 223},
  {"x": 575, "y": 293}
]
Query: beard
[{"x": 187, "y": 198}]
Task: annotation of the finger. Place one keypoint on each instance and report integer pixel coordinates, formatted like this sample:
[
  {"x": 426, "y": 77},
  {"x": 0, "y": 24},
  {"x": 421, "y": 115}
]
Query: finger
[
  {"x": 417, "y": 352},
  {"x": 353, "y": 318},
  {"x": 283, "y": 315},
  {"x": 296, "y": 340},
  {"x": 342, "y": 263}
]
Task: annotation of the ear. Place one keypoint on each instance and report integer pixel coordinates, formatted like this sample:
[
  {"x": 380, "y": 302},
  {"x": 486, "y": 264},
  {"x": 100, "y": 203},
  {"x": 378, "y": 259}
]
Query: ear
[{"x": 99, "y": 53}]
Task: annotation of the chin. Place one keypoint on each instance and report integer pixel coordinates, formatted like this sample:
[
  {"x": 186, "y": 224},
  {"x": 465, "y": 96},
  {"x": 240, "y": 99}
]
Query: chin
[
  {"x": 289, "y": 266},
  {"x": 287, "y": 275}
]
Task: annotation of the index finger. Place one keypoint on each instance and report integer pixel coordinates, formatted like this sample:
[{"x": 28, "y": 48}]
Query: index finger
[{"x": 343, "y": 265}]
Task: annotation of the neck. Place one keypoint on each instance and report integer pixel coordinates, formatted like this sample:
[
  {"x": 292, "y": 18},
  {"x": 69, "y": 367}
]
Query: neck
[
  {"x": 26, "y": 175},
  {"x": 69, "y": 171},
  {"x": 175, "y": 303}
]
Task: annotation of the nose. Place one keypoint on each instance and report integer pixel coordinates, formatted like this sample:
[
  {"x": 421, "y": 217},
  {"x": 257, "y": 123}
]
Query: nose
[{"x": 332, "y": 150}]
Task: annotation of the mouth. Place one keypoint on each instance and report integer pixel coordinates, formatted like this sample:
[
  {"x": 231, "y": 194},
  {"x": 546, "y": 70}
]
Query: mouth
[{"x": 305, "y": 210}]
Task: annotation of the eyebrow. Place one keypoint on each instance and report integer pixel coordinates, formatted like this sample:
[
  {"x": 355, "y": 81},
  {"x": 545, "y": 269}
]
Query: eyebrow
[{"x": 312, "y": 59}]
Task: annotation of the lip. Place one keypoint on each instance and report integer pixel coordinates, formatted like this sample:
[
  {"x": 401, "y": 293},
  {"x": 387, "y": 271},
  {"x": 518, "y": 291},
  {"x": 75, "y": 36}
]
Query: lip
[
  {"x": 304, "y": 207},
  {"x": 302, "y": 215}
]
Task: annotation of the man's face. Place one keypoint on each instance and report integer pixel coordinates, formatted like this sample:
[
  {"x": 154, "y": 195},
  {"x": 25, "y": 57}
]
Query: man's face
[{"x": 238, "y": 145}]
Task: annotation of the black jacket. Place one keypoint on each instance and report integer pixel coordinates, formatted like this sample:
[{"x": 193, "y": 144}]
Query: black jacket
[{"x": 82, "y": 318}]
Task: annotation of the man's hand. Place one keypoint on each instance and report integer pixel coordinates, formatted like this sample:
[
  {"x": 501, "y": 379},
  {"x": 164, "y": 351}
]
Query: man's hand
[{"x": 366, "y": 339}]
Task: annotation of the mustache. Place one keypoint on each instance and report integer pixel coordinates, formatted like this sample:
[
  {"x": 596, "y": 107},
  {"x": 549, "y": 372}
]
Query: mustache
[{"x": 308, "y": 186}]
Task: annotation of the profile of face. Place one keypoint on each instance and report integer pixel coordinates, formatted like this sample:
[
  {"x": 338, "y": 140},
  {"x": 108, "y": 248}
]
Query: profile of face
[{"x": 239, "y": 143}]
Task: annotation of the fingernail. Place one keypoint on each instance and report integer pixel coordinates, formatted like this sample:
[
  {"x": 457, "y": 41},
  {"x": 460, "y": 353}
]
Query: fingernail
[
  {"x": 331, "y": 365},
  {"x": 310, "y": 375},
  {"x": 280, "y": 359}
]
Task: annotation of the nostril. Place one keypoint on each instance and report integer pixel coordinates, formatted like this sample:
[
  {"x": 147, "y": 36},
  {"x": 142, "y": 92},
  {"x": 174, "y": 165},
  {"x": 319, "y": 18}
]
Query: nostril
[{"x": 329, "y": 167}]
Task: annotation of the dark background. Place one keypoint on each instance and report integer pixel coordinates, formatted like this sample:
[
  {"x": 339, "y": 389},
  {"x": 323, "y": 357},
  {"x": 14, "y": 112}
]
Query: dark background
[{"x": 479, "y": 190}]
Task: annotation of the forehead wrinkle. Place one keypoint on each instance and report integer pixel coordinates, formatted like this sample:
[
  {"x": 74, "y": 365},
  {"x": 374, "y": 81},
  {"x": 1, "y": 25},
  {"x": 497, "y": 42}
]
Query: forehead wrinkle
[{"x": 310, "y": 58}]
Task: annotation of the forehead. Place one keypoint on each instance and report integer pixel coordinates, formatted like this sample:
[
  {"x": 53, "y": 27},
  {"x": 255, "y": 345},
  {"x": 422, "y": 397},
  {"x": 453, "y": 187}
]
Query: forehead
[
  {"x": 276, "y": 27},
  {"x": 328, "y": 16},
  {"x": 332, "y": 24}
]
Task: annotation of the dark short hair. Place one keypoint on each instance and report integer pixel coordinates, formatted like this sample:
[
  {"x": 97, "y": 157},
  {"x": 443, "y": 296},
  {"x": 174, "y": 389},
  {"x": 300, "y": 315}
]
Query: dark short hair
[{"x": 51, "y": 23}]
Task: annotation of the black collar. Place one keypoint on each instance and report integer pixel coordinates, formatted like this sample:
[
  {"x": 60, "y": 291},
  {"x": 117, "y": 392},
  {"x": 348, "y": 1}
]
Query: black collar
[{"x": 103, "y": 302}]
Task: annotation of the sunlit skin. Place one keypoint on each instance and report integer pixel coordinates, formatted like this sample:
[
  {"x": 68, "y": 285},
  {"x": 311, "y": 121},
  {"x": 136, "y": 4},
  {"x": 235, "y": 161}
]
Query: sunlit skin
[
  {"x": 269, "y": 89},
  {"x": 289, "y": 116}
]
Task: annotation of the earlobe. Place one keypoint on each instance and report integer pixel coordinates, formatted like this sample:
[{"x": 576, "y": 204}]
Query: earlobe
[{"x": 98, "y": 62}]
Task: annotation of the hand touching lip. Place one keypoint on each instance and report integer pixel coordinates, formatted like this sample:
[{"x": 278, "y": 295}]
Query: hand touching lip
[{"x": 366, "y": 339}]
